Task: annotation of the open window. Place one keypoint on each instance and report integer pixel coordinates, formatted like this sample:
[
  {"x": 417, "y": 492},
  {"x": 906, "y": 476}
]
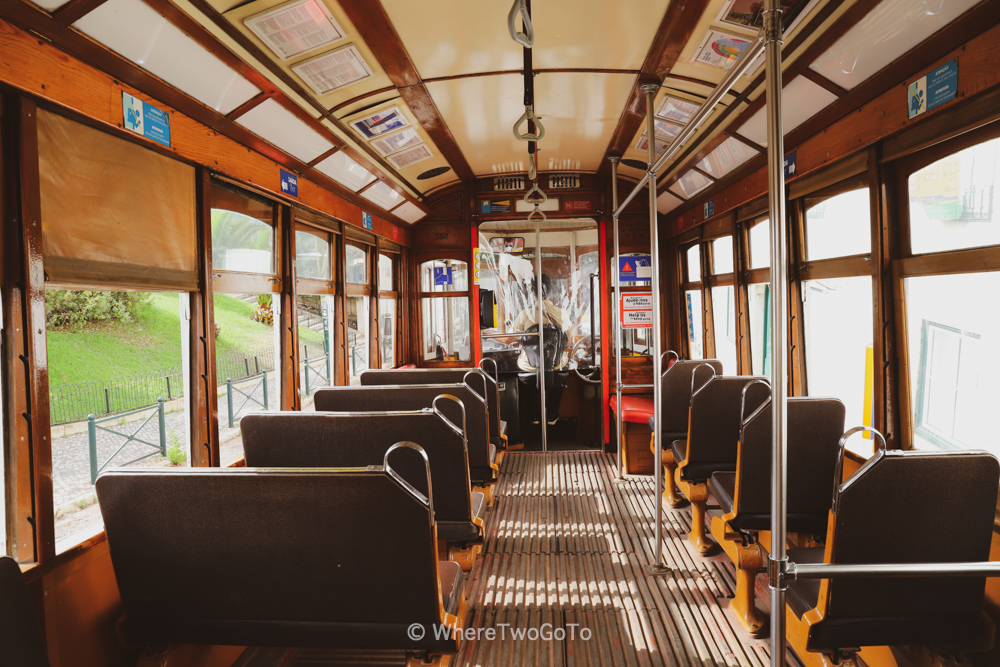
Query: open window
[
  {"x": 691, "y": 289},
  {"x": 316, "y": 242},
  {"x": 444, "y": 310},
  {"x": 357, "y": 301},
  {"x": 388, "y": 307}
]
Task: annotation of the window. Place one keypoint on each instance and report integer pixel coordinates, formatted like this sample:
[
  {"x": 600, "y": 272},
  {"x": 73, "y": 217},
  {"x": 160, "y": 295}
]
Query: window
[
  {"x": 955, "y": 202},
  {"x": 312, "y": 254},
  {"x": 445, "y": 319},
  {"x": 723, "y": 295},
  {"x": 760, "y": 328},
  {"x": 760, "y": 244},
  {"x": 838, "y": 226},
  {"x": 242, "y": 232},
  {"x": 953, "y": 341},
  {"x": 356, "y": 262},
  {"x": 694, "y": 264},
  {"x": 692, "y": 290},
  {"x": 388, "y": 297},
  {"x": 722, "y": 255},
  {"x": 315, "y": 267},
  {"x": 357, "y": 304}
]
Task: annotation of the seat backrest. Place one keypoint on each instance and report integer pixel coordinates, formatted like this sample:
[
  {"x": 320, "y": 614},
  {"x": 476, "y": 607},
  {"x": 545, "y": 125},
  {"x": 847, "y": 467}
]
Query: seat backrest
[
  {"x": 814, "y": 429},
  {"x": 334, "y": 440},
  {"x": 270, "y": 557},
  {"x": 554, "y": 340},
  {"x": 913, "y": 507},
  {"x": 21, "y": 640},
  {"x": 482, "y": 382},
  {"x": 675, "y": 396},
  {"x": 717, "y": 411},
  {"x": 417, "y": 397}
]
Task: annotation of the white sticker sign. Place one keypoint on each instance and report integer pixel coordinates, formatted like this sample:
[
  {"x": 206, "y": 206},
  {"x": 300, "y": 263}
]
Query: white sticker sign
[{"x": 637, "y": 310}]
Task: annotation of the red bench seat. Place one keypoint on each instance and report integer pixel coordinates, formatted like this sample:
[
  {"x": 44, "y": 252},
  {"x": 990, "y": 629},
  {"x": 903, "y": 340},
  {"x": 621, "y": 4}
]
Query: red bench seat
[{"x": 636, "y": 408}]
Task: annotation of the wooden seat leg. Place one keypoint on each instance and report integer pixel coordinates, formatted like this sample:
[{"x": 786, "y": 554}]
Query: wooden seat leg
[
  {"x": 698, "y": 495},
  {"x": 466, "y": 557},
  {"x": 670, "y": 494},
  {"x": 749, "y": 559}
]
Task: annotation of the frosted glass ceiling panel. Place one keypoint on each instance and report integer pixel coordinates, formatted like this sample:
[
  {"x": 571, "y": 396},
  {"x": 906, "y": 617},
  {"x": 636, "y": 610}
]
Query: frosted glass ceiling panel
[
  {"x": 50, "y": 4},
  {"x": 341, "y": 168},
  {"x": 730, "y": 154},
  {"x": 666, "y": 202},
  {"x": 690, "y": 184},
  {"x": 140, "y": 34},
  {"x": 801, "y": 100},
  {"x": 282, "y": 128},
  {"x": 409, "y": 212},
  {"x": 885, "y": 33},
  {"x": 382, "y": 195}
]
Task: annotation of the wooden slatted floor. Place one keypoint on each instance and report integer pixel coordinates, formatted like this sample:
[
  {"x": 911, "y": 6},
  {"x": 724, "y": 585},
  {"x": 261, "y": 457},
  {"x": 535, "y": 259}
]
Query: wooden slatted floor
[{"x": 566, "y": 551}]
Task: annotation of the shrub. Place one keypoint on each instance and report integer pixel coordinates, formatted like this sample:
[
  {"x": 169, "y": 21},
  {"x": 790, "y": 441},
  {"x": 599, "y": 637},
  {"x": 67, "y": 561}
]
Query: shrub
[
  {"x": 70, "y": 308},
  {"x": 174, "y": 451}
]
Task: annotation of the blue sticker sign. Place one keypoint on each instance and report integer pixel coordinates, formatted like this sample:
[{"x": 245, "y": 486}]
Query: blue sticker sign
[
  {"x": 366, "y": 220},
  {"x": 635, "y": 268},
  {"x": 442, "y": 275},
  {"x": 501, "y": 206},
  {"x": 933, "y": 89},
  {"x": 289, "y": 184},
  {"x": 791, "y": 164},
  {"x": 146, "y": 120},
  {"x": 709, "y": 208}
]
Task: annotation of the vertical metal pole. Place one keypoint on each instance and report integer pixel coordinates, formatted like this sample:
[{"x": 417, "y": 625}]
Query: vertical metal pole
[
  {"x": 229, "y": 399},
  {"x": 163, "y": 426},
  {"x": 306, "y": 370},
  {"x": 92, "y": 441},
  {"x": 541, "y": 333},
  {"x": 264, "y": 383},
  {"x": 654, "y": 247},
  {"x": 778, "y": 560},
  {"x": 617, "y": 321}
]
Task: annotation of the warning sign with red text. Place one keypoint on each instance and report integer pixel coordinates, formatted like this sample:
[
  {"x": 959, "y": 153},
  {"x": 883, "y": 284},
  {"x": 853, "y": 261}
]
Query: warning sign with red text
[{"x": 637, "y": 310}]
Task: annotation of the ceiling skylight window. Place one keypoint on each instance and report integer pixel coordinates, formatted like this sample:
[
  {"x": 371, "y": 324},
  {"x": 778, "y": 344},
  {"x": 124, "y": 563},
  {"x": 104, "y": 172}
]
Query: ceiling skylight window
[
  {"x": 410, "y": 156},
  {"x": 382, "y": 195},
  {"x": 730, "y": 154},
  {"x": 393, "y": 143},
  {"x": 295, "y": 28},
  {"x": 666, "y": 202},
  {"x": 282, "y": 128},
  {"x": 690, "y": 184},
  {"x": 677, "y": 110},
  {"x": 341, "y": 168},
  {"x": 328, "y": 72},
  {"x": 139, "y": 33},
  {"x": 800, "y": 100},
  {"x": 409, "y": 212}
]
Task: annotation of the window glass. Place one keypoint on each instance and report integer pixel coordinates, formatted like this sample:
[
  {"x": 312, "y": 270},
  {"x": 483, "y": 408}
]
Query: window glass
[
  {"x": 385, "y": 273},
  {"x": 246, "y": 337},
  {"x": 955, "y": 202},
  {"x": 760, "y": 328},
  {"x": 693, "y": 309},
  {"x": 312, "y": 255},
  {"x": 316, "y": 364},
  {"x": 241, "y": 242},
  {"x": 445, "y": 324},
  {"x": 356, "y": 264},
  {"x": 117, "y": 394},
  {"x": 444, "y": 275},
  {"x": 724, "y": 315},
  {"x": 953, "y": 343},
  {"x": 357, "y": 337},
  {"x": 387, "y": 331},
  {"x": 694, "y": 264},
  {"x": 760, "y": 245},
  {"x": 839, "y": 226},
  {"x": 722, "y": 255},
  {"x": 838, "y": 330}
]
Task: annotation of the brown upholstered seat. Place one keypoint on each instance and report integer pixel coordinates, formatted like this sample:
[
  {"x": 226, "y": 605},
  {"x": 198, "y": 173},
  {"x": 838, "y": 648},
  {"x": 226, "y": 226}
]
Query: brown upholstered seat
[
  {"x": 275, "y": 557},
  {"x": 722, "y": 486},
  {"x": 333, "y": 440},
  {"x": 675, "y": 397},
  {"x": 21, "y": 640},
  {"x": 418, "y": 397}
]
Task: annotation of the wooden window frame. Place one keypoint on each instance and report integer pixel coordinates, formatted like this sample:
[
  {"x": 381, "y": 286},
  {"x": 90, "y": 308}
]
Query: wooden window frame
[
  {"x": 392, "y": 293},
  {"x": 419, "y": 261}
]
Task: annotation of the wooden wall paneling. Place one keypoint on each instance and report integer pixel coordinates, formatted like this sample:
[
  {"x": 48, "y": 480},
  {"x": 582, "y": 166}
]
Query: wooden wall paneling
[
  {"x": 33, "y": 318},
  {"x": 202, "y": 404},
  {"x": 289, "y": 353}
]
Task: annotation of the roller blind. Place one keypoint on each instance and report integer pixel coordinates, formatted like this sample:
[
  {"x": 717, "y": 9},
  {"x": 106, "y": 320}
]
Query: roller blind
[
  {"x": 852, "y": 166},
  {"x": 114, "y": 213}
]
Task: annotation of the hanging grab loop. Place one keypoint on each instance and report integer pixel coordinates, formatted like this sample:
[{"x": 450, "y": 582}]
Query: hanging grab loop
[
  {"x": 526, "y": 38},
  {"x": 531, "y": 199},
  {"x": 531, "y": 216},
  {"x": 532, "y": 167},
  {"x": 529, "y": 114}
]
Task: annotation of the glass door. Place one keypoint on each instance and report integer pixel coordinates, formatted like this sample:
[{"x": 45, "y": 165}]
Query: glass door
[{"x": 550, "y": 371}]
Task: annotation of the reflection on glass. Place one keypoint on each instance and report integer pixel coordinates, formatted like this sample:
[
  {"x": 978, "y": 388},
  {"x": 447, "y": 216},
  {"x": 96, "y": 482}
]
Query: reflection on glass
[
  {"x": 839, "y": 226},
  {"x": 385, "y": 273},
  {"x": 357, "y": 264},
  {"x": 955, "y": 202},
  {"x": 760, "y": 328},
  {"x": 724, "y": 316},
  {"x": 312, "y": 256},
  {"x": 760, "y": 245},
  {"x": 692, "y": 299},
  {"x": 357, "y": 337},
  {"x": 694, "y": 264},
  {"x": 387, "y": 331},
  {"x": 241, "y": 243},
  {"x": 953, "y": 343},
  {"x": 444, "y": 275},
  {"x": 722, "y": 255},
  {"x": 838, "y": 329},
  {"x": 445, "y": 324},
  {"x": 316, "y": 364},
  {"x": 131, "y": 395}
]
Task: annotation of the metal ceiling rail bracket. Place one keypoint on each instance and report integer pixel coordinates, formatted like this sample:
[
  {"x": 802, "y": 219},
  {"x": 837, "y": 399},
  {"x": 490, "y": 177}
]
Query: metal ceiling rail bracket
[{"x": 747, "y": 58}]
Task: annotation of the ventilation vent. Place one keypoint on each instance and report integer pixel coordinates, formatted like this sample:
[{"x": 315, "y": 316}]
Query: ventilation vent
[
  {"x": 564, "y": 181},
  {"x": 431, "y": 173},
  {"x": 635, "y": 164},
  {"x": 508, "y": 183}
]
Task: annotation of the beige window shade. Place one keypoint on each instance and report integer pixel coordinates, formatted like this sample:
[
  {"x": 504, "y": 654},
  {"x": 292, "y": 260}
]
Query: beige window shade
[
  {"x": 113, "y": 212},
  {"x": 852, "y": 166}
]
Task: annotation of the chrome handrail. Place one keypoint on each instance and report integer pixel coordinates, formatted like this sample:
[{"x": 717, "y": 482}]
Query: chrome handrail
[
  {"x": 427, "y": 500},
  {"x": 839, "y": 485},
  {"x": 454, "y": 427}
]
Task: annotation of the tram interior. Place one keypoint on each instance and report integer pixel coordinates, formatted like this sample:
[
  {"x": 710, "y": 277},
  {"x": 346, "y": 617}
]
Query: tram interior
[{"x": 542, "y": 332}]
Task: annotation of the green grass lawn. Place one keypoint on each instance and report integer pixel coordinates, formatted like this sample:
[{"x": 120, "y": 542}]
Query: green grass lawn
[{"x": 151, "y": 341}]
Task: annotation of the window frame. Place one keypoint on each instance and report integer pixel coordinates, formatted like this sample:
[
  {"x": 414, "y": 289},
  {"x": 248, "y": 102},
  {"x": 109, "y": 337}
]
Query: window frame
[
  {"x": 393, "y": 293},
  {"x": 453, "y": 256},
  {"x": 243, "y": 282}
]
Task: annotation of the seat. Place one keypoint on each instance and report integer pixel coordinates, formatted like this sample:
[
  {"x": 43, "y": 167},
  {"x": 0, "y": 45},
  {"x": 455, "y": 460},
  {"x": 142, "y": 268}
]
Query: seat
[
  {"x": 333, "y": 440},
  {"x": 675, "y": 400},
  {"x": 814, "y": 428},
  {"x": 636, "y": 408},
  {"x": 933, "y": 507},
  {"x": 320, "y": 558},
  {"x": 21, "y": 640},
  {"x": 717, "y": 409}
]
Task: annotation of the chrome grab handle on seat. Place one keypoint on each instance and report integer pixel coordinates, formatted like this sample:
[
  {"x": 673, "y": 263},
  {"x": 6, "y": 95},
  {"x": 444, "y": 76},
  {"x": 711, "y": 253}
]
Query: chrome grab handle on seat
[
  {"x": 427, "y": 500},
  {"x": 876, "y": 457},
  {"x": 477, "y": 372},
  {"x": 496, "y": 368},
  {"x": 694, "y": 378},
  {"x": 663, "y": 364},
  {"x": 448, "y": 397},
  {"x": 744, "y": 417},
  {"x": 526, "y": 38}
]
